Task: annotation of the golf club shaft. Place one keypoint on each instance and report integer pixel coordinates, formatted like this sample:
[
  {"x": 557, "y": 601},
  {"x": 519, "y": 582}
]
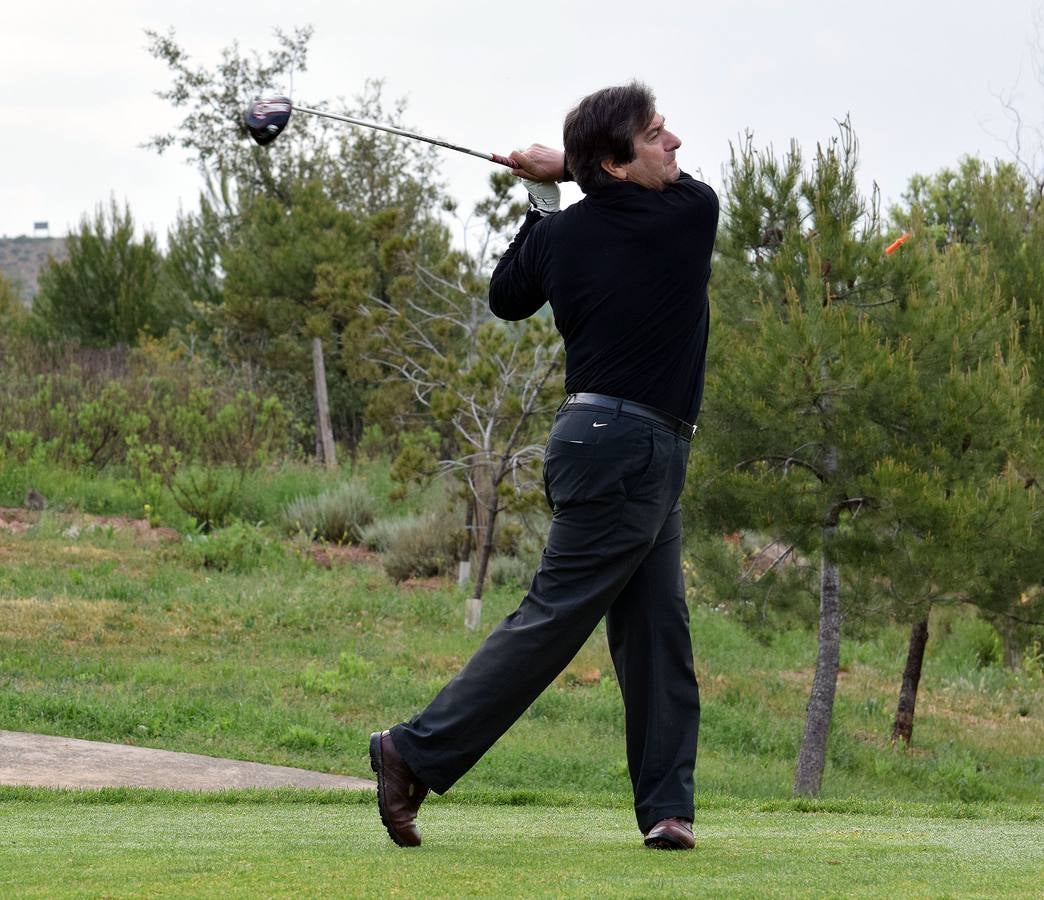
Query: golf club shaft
[{"x": 492, "y": 157}]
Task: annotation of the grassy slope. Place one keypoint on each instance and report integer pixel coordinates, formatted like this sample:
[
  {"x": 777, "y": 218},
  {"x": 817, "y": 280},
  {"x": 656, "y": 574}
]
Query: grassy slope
[
  {"x": 104, "y": 639},
  {"x": 54, "y": 844}
]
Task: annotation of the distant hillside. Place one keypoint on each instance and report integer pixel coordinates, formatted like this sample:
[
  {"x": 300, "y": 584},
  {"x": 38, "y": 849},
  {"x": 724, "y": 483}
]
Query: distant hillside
[{"x": 22, "y": 258}]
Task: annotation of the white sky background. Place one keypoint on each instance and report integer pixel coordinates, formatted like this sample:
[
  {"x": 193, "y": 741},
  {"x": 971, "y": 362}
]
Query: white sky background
[{"x": 921, "y": 81}]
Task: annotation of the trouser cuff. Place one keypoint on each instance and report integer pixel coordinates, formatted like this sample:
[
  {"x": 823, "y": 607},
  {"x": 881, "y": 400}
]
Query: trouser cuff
[
  {"x": 647, "y": 819},
  {"x": 403, "y": 743}
]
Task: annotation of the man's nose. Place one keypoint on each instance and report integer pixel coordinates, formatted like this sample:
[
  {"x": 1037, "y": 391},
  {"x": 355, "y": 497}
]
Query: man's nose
[{"x": 673, "y": 141}]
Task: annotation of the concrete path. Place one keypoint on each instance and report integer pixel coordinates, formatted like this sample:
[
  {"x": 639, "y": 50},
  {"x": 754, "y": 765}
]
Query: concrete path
[{"x": 46, "y": 761}]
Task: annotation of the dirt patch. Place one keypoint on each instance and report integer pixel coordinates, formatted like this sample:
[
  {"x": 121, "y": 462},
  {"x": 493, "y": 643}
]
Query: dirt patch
[
  {"x": 971, "y": 720},
  {"x": 805, "y": 676},
  {"x": 18, "y": 516},
  {"x": 434, "y": 583},
  {"x": 883, "y": 742},
  {"x": 326, "y": 556},
  {"x": 143, "y": 532},
  {"x": 582, "y": 676},
  {"x": 17, "y": 521},
  {"x": 73, "y": 525}
]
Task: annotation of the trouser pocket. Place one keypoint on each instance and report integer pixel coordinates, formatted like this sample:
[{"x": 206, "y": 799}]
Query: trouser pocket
[{"x": 591, "y": 455}]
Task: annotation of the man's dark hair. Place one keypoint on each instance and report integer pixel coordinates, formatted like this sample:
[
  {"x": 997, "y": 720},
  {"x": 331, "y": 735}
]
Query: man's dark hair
[{"x": 603, "y": 126}]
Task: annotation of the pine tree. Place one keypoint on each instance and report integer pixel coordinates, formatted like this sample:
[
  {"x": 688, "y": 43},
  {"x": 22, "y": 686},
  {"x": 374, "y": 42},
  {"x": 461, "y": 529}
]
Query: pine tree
[
  {"x": 838, "y": 375},
  {"x": 990, "y": 217},
  {"x": 996, "y": 213},
  {"x": 105, "y": 292}
]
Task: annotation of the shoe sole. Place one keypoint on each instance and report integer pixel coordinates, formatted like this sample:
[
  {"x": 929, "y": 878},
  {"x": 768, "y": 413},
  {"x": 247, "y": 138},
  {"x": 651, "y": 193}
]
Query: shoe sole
[
  {"x": 665, "y": 844},
  {"x": 377, "y": 764}
]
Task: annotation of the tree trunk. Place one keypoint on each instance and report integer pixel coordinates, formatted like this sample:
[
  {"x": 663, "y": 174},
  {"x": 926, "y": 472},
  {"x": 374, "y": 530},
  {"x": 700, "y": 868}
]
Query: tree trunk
[
  {"x": 485, "y": 551},
  {"x": 486, "y": 509},
  {"x": 1011, "y": 646},
  {"x": 902, "y": 728},
  {"x": 812, "y": 757},
  {"x": 322, "y": 406}
]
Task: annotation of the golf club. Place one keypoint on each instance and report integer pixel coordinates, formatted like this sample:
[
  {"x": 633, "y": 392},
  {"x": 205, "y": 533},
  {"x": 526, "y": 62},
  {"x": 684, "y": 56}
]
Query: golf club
[{"x": 266, "y": 119}]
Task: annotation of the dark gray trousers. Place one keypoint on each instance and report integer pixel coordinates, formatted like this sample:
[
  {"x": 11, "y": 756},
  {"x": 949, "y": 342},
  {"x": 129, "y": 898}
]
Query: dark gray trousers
[{"x": 614, "y": 550}]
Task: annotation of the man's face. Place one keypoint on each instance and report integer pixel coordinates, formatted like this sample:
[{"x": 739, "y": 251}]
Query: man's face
[{"x": 654, "y": 165}]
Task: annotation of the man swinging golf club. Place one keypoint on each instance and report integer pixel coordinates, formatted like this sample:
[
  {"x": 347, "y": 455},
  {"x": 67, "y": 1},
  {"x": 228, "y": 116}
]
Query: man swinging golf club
[{"x": 625, "y": 271}]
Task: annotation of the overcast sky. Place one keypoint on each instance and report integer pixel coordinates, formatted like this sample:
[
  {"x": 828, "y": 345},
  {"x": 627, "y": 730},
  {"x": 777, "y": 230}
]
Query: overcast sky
[{"x": 921, "y": 81}]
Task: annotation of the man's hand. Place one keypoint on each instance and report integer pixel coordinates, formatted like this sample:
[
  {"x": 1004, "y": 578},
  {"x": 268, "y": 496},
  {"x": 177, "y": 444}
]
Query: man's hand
[{"x": 539, "y": 163}]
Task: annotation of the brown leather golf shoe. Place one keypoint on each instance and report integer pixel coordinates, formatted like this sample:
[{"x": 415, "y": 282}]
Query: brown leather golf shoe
[
  {"x": 399, "y": 792},
  {"x": 671, "y": 834}
]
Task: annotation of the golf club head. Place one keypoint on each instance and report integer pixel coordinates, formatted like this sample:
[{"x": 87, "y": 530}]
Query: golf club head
[{"x": 266, "y": 119}]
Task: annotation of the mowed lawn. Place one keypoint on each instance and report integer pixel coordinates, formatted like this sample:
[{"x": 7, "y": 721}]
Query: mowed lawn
[{"x": 52, "y": 844}]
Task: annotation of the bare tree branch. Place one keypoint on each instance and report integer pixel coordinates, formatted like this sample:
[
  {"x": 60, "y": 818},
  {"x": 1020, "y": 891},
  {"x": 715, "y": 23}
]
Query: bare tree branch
[{"x": 784, "y": 461}]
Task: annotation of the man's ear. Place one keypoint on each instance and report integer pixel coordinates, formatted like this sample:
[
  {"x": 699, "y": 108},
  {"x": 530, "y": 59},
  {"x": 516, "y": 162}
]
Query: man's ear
[{"x": 615, "y": 170}]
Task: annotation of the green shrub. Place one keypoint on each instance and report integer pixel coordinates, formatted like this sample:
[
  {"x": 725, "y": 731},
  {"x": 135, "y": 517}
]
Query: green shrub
[
  {"x": 92, "y": 407},
  {"x": 207, "y": 493},
  {"x": 239, "y": 548},
  {"x": 958, "y": 776},
  {"x": 267, "y": 490},
  {"x": 339, "y": 515},
  {"x": 971, "y": 644},
  {"x": 510, "y": 570},
  {"x": 419, "y": 547},
  {"x": 105, "y": 291},
  {"x": 378, "y": 536}
]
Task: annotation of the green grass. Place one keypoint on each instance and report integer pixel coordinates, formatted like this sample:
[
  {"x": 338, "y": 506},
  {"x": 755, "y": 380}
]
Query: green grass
[
  {"x": 309, "y": 843},
  {"x": 270, "y": 658},
  {"x": 114, "y": 491},
  {"x": 286, "y": 663}
]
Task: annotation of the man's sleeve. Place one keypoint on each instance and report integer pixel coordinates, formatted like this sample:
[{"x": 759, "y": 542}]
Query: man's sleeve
[
  {"x": 704, "y": 201},
  {"x": 515, "y": 291}
]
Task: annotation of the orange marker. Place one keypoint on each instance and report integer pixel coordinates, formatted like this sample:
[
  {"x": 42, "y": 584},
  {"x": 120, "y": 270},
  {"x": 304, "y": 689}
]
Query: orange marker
[{"x": 897, "y": 243}]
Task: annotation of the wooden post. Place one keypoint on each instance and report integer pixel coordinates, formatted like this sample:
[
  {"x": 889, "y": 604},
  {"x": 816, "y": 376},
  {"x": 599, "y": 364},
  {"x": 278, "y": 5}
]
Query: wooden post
[
  {"x": 463, "y": 572},
  {"x": 322, "y": 406},
  {"x": 472, "y": 613}
]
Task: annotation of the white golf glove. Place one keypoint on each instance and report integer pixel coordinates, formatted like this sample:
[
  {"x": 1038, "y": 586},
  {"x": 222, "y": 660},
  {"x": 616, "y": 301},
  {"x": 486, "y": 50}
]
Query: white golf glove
[{"x": 544, "y": 195}]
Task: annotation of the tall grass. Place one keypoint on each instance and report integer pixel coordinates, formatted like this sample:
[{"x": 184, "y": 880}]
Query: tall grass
[
  {"x": 259, "y": 497},
  {"x": 340, "y": 515}
]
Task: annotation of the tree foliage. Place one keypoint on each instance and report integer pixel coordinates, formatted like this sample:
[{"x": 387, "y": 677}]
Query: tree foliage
[
  {"x": 848, "y": 391},
  {"x": 291, "y": 236},
  {"x": 213, "y": 132},
  {"x": 13, "y": 313},
  {"x": 106, "y": 291},
  {"x": 362, "y": 170},
  {"x": 994, "y": 212}
]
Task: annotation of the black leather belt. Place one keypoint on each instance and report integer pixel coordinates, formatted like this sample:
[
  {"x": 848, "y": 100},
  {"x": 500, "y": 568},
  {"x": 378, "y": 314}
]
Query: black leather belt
[{"x": 629, "y": 408}]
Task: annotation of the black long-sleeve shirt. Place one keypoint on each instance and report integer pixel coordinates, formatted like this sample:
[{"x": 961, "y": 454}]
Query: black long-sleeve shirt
[{"x": 625, "y": 271}]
